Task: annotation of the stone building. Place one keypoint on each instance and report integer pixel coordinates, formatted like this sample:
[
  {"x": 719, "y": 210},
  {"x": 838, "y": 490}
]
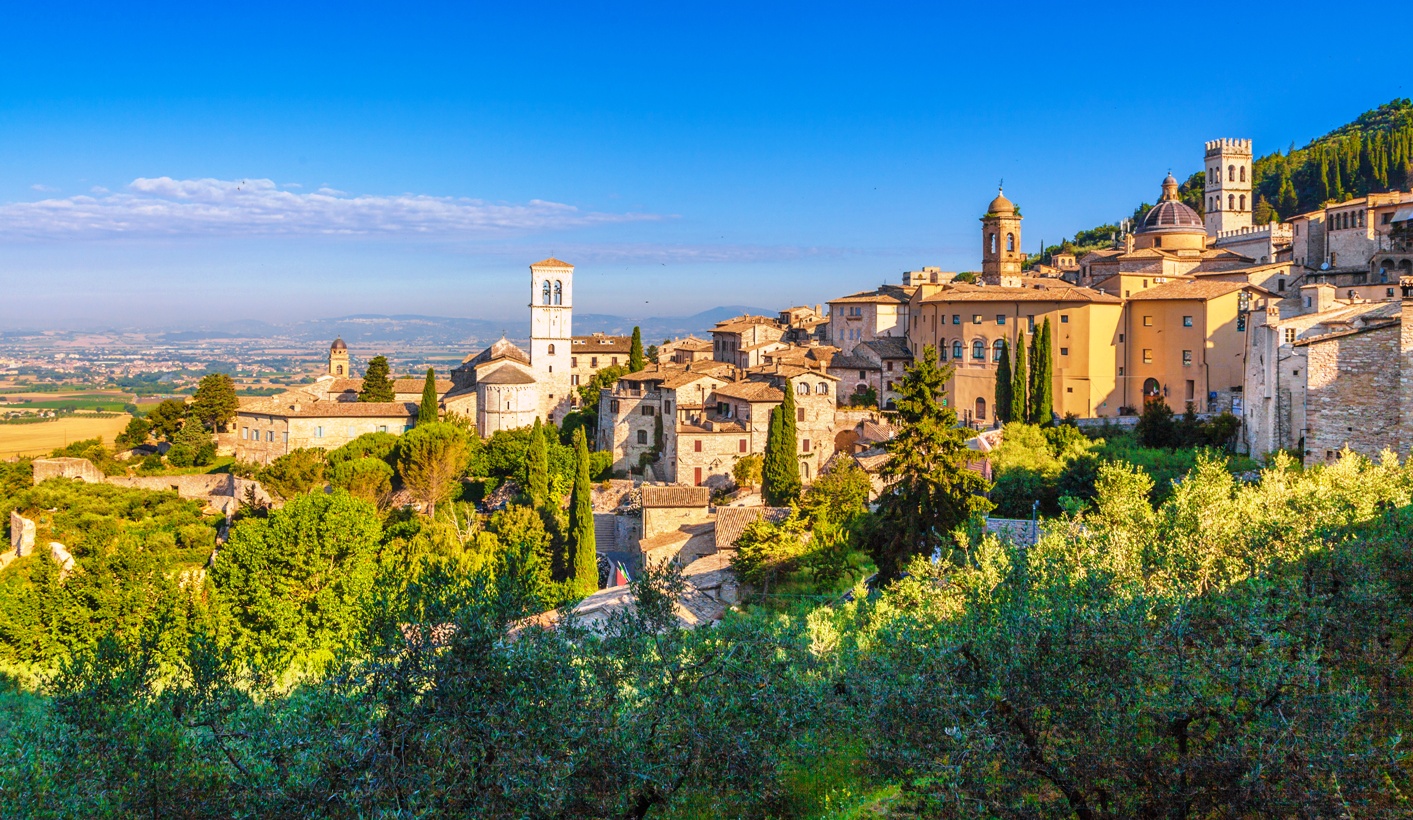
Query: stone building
[
  {"x": 868, "y": 315},
  {"x": 694, "y": 422},
  {"x": 742, "y": 341},
  {"x": 501, "y": 387},
  {"x": 878, "y": 364},
  {"x": 592, "y": 353},
  {"x": 1228, "y": 186},
  {"x": 1326, "y": 375},
  {"x": 685, "y": 351}
]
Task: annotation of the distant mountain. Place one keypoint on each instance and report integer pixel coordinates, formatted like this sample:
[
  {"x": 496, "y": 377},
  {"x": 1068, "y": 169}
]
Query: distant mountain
[{"x": 366, "y": 329}]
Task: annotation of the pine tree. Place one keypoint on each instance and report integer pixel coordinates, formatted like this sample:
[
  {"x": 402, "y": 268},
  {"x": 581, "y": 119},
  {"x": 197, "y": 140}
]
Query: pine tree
[
  {"x": 780, "y": 475},
  {"x": 376, "y": 384},
  {"x": 1042, "y": 396},
  {"x": 427, "y": 410},
  {"x": 1003, "y": 385},
  {"x": 1019, "y": 385},
  {"x": 635, "y": 352},
  {"x": 584, "y": 559},
  {"x": 537, "y": 467},
  {"x": 931, "y": 490}
]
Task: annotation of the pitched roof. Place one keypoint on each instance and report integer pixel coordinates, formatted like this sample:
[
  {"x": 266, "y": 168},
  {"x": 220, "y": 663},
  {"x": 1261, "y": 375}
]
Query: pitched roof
[
  {"x": 732, "y": 521},
  {"x": 1340, "y": 334},
  {"x": 399, "y": 385},
  {"x": 889, "y": 347},
  {"x": 996, "y": 293},
  {"x": 506, "y": 374},
  {"x": 1186, "y": 289},
  {"x": 600, "y": 343},
  {"x": 501, "y": 349},
  {"x": 692, "y": 343},
  {"x": 551, "y": 262},
  {"x": 303, "y": 405},
  {"x": 751, "y": 391},
  {"x": 675, "y": 496},
  {"x": 744, "y": 323}
]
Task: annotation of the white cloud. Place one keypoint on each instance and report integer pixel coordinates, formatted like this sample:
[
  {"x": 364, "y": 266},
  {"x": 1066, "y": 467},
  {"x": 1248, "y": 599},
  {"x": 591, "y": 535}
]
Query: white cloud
[
  {"x": 42, "y": 188},
  {"x": 213, "y": 207}
]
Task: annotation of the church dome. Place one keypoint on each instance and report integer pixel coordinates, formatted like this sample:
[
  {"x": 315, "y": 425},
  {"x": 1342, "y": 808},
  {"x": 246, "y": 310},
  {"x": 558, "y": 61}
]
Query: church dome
[
  {"x": 1171, "y": 215},
  {"x": 1001, "y": 205},
  {"x": 338, "y": 345}
]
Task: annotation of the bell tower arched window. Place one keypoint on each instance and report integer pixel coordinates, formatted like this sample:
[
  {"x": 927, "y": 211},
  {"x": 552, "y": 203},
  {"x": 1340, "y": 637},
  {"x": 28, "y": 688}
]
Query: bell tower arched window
[
  {"x": 1243, "y": 202},
  {"x": 1231, "y": 202},
  {"x": 1231, "y": 173},
  {"x": 551, "y": 350},
  {"x": 1243, "y": 173},
  {"x": 558, "y": 293},
  {"x": 1010, "y": 242},
  {"x": 545, "y": 293},
  {"x": 991, "y": 243}
]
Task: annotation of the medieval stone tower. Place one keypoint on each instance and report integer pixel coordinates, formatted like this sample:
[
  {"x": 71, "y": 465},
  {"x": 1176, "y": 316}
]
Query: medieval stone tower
[
  {"x": 1228, "y": 188},
  {"x": 1001, "y": 254},
  {"x": 551, "y": 332},
  {"x": 338, "y": 359}
]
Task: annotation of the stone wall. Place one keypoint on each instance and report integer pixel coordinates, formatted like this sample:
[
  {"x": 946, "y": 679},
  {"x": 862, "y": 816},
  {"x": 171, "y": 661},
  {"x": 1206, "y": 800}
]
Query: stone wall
[
  {"x": 80, "y": 468},
  {"x": 1350, "y": 394}
]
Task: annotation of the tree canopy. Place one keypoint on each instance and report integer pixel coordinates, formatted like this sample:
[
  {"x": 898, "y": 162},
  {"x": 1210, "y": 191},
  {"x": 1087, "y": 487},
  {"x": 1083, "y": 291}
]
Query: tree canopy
[{"x": 377, "y": 386}]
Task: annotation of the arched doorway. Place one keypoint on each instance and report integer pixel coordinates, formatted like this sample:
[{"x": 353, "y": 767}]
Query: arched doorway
[
  {"x": 1151, "y": 388},
  {"x": 980, "y": 409}
]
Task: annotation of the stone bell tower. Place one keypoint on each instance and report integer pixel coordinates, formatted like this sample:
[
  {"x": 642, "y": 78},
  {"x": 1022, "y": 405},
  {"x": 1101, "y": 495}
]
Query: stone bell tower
[
  {"x": 338, "y": 359},
  {"x": 551, "y": 333},
  {"x": 1001, "y": 254},
  {"x": 1227, "y": 192}
]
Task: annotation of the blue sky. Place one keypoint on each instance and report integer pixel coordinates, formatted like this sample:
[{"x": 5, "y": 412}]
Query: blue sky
[{"x": 174, "y": 164}]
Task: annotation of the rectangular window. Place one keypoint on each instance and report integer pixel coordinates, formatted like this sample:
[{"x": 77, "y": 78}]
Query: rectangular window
[
  {"x": 697, "y": 477},
  {"x": 1064, "y": 318},
  {"x": 1280, "y": 285},
  {"x": 697, "y": 446},
  {"x": 269, "y": 435},
  {"x": 573, "y": 361},
  {"x": 647, "y": 410},
  {"x": 642, "y": 436},
  {"x": 382, "y": 428},
  {"x": 245, "y": 432},
  {"x": 890, "y": 367},
  {"x": 615, "y": 361},
  {"x": 1289, "y": 335},
  {"x": 862, "y": 375},
  {"x": 1121, "y": 337},
  {"x": 593, "y": 361},
  {"x": 1000, "y": 318},
  {"x": 1191, "y": 390},
  {"x": 976, "y": 318},
  {"x": 956, "y": 318},
  {"x": 613, "y": 406},
  {"x": 319, "y": 432},
  {"x": 1147, "y": 321},
  {"x": 1121, "y": 371},
  {"x": 1187, "y": 358},
  {"x": 806, "y": 443},
  {"x": 285, "y": 434},
  {"x": 741, "y": 446},
  {"x": 1030, "y": 323},
  {"x": 800, "y": 414},
  {"x": 1187, "y": 321},
  {"x": 1147, "y": 355},
  {"x": 1064, "y": 351},
  {"x": 666, "y": 407}
]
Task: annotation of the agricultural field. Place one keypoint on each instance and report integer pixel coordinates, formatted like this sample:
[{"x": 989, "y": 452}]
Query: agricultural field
[{"x": 41, "y": 438}]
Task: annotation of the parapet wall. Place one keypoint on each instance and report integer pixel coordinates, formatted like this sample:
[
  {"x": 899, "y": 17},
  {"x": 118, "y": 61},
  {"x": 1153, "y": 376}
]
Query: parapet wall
[{"x": 1227, "y": 146}]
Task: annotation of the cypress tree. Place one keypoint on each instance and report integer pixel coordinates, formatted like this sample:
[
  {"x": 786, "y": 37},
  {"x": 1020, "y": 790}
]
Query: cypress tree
[
  {"x": 584, "y": 558},
  {"x": 1042, "y": 395},
  {"x": 1003, "y": 385},
  {"x": 780, "y": 475},
  {"x": 427, "y": 410},
  {"x": 635, "y": 352},
  {"x": 537, "y": 467},
  {"x": 376, "y": 384},
  {"x": 1018, "y": 382}
]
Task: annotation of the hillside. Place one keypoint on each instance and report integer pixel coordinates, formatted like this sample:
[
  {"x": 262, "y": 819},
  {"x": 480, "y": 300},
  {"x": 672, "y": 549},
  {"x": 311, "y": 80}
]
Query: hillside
[{"x": 1371, "y": 154}]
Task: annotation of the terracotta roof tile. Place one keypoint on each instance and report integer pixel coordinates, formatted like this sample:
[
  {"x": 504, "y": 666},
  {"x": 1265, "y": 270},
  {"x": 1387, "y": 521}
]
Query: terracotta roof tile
[
  {"x": 675, "y": 496},
  {"x": 551, "y": 262},
  {"x": 994, "y": 293},
  {"x": 732, "y": 521},
  {"x": 1189, "y": 290},
  {"x": 751, "y": 391}
]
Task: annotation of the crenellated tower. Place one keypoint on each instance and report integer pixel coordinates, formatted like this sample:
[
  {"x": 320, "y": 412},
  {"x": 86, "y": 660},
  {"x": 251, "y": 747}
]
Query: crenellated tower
[{"x": 1227, "y": 193}]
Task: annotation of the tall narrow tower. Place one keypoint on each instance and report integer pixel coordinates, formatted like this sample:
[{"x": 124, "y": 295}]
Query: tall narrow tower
[
  {"x": 1001, "y": 254},
  {"x": 338, "y": 359},
  {"x": 1227, "y": 194},
  {"x": 551, "y": 332}
]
